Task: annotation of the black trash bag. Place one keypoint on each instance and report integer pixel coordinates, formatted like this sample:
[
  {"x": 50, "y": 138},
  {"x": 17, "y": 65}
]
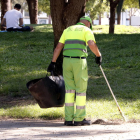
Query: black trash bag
[{"x": 48, "y": 91}]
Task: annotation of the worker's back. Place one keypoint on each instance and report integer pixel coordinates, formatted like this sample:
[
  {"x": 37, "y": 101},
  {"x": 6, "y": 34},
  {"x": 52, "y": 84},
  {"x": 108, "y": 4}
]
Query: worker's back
[{"x": 75, "y": 39}]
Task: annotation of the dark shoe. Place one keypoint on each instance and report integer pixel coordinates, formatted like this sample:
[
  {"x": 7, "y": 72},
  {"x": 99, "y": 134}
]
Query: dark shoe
[
  {"x": 68, "y": 123},
  {"x": 84, "y": 122}
]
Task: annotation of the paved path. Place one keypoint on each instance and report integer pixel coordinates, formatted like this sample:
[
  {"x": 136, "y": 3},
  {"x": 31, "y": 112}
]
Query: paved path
[{"x": 55, "y": 130}]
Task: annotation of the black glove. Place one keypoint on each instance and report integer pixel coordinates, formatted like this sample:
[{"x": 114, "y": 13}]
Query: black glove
[
  {"x": 98, "y": 60},
  {"x": 51, "y": 67}
]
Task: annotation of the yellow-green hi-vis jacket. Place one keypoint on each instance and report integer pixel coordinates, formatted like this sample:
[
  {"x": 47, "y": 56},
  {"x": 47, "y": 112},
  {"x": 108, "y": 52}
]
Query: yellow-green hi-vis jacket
[{"x": 75, "y": 39}]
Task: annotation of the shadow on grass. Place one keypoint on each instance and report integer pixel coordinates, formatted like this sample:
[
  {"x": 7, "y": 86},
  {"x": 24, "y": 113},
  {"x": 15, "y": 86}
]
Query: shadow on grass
[{"x": 24, "y": 57}]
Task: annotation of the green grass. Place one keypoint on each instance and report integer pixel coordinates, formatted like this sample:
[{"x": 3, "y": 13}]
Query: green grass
[
  {"x": 25, "y": 56},
  {"x": 31, "y": 111},
  {"x": 119, "y": 29}
]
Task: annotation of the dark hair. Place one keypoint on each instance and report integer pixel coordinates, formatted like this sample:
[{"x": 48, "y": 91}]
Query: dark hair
[{"x": 18, "y": 6}]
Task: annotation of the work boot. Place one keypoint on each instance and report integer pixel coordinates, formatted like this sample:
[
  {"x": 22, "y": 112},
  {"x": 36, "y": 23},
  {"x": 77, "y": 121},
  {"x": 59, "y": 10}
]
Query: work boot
[
  {"x": 68, "y": 123},
  {"x": 84, "y": 122}
]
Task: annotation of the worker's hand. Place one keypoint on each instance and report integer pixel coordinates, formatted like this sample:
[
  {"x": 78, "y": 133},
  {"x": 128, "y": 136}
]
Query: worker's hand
[
  {"x": 51, "y": 67},
  {"x": 98, "y": 60}
]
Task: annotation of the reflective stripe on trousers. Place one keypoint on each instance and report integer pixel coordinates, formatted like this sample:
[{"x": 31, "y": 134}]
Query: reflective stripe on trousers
[
  {"x": 69, "y": 105},
  {"x": 80, "y": 106}
]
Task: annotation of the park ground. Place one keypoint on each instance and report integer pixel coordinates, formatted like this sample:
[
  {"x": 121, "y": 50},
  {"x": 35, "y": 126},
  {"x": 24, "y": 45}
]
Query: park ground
[
  {"x": 40, "y": 129},
  {"x": 20, "y": 115},
  {"x": 26, "y": 129}
]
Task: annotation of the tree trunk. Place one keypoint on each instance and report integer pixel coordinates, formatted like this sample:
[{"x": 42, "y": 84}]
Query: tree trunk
[
  {"x": 49, "y": 17},
  {"x": 118, "y": 18},
  {"x": 64, "y": 15},
  {"x": 119, "y": 8},
  {"x": 33, "y": 10},
  {"x": 113, "y": 5},
  {"x": 99, "y": 19},
  {"x": 130, "y": 15},
  {"x": 5, "y": 6},
  {"x": 112, "y": 19}
]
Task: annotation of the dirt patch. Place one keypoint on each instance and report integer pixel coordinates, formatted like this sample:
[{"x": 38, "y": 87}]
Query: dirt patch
[
  {"x": 8, "y": 101},
  {"x": 56, "y": 130}
]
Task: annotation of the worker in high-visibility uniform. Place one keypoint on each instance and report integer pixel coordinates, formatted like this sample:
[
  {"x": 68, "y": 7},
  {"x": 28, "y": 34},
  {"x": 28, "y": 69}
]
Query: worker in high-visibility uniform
[{"x": 74, "y": 42}]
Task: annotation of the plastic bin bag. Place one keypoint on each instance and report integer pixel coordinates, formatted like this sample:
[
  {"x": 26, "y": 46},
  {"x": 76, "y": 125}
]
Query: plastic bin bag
[{"x": 48, "y": 91}]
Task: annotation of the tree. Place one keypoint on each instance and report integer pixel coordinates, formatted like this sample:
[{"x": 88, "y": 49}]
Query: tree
[
  {"x": 44, "y": 6},
  {"x": 131, "y": 4},
  {"x": 64, "y": 13},
  {"x": 33, "y": 10},
  {"x": 119, "y": 8},
  {"x": 96, "y": 8},
  {"x": 113, "y": 4},
  {"x": 5, "y": 6},
  {"x": 125, "y": 4},
  {"x": 23, "y": 4}
]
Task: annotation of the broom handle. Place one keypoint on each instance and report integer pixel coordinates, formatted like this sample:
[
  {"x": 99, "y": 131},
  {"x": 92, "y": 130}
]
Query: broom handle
[{"x": 113, "y": 94}]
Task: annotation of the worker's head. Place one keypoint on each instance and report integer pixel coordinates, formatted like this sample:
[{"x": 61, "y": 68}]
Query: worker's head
[
  {"x": 17, "y": 6},
  {"x": 87, "y": 21}
]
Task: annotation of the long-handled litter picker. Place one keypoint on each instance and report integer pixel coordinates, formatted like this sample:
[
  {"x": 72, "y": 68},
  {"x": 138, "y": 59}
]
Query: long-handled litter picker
[{"x": 113, "y": 95}]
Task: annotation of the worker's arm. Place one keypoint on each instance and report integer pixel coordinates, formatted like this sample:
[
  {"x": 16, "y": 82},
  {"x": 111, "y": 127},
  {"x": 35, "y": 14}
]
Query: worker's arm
[
  {"x": 21, "y": 22},
  {"x": 57, "y": 51},
  {"x": 93, "y": 47},
  {"x": 3, "y": 23}
]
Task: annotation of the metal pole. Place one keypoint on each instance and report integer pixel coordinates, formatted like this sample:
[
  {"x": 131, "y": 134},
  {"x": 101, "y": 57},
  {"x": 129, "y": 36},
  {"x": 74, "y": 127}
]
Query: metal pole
[{"x": 113, "y": 95}]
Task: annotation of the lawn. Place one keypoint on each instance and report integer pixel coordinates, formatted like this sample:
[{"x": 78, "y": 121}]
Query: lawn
[{"x": 26, "y": 56}]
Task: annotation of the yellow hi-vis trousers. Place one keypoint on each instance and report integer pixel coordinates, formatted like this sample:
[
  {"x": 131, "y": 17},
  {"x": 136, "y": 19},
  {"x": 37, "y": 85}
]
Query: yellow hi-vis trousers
[{"x": 75, "y": 77}]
